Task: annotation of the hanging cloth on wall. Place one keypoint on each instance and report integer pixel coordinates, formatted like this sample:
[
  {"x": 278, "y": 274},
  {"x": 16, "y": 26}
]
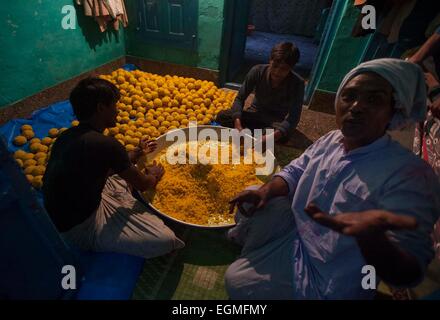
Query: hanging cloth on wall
[{"x": 106, "y": 11}]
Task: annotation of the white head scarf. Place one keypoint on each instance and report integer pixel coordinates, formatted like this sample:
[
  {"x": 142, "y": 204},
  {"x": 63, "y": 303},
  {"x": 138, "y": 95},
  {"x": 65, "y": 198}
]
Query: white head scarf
[{"x": 408, "y": 82}]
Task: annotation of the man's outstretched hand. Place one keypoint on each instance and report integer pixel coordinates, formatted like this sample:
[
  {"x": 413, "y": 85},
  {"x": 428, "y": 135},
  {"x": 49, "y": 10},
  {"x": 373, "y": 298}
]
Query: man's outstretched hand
[
  {"x": 363, "y": 223},
  {"x": 257, "y": 198},
  {"x": 147, "y": 146},
  {"x": 156, "y": 170}
]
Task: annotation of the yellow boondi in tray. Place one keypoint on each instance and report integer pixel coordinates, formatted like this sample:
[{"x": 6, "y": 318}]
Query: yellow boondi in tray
[{"x": 200, "y": 194}]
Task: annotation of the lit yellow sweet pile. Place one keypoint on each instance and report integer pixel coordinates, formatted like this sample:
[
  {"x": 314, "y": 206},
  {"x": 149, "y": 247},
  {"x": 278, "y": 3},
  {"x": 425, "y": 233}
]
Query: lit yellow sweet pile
[
  {"x": 151, "y": 104},
  {"x": 34, "y": 162},
  {"x": 200, "y": 194}
]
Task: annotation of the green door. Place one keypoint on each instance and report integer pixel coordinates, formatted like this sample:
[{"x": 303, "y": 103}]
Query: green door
[{"x": 171, "y": 23}]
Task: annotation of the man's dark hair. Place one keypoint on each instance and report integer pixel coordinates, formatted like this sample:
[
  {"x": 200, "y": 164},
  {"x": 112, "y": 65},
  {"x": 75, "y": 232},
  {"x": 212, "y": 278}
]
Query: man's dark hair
[
  {"x": 285, "y": 52},
  {"x": 88, "y": 93}
]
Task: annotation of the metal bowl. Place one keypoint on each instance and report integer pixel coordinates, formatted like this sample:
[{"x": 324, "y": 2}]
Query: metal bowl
[{"x": 162, "y": 144}]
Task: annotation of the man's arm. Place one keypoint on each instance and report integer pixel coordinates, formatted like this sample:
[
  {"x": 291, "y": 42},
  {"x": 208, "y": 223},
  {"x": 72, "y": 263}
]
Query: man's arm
[
  {"x": 294, "y": 115},
  {"x": 395, "y": 239},
  {"x": 122, "y": 163},
  {"x": 430, "y": 47},
  {"x": 277, "y": 187},
  {"x": 146, "y": 146},
  {"x": 393, "y": 265},
  {"x": 141, "y": 181},
  {"x": 137, "y": 179},
  {"x": 282, "y": 184},
  {"x": 246, "y": 89},
  {"x": 134, "y": 155}
]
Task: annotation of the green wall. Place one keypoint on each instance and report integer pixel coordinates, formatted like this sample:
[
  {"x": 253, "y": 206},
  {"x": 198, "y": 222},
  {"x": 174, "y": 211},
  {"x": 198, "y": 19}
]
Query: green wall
[
  {"x": 210, "y": 25},
  {"x": 38, "y": 53},
  {"x": 343, "y": 51}
]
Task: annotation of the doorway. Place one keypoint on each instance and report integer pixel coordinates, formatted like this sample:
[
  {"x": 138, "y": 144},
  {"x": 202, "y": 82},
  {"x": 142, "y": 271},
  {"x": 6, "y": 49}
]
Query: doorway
[{"x": 253, "y": 27}]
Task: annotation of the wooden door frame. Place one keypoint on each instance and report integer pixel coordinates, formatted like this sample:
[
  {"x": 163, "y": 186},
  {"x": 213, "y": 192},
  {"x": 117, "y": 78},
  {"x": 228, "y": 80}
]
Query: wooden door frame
[
  {"x": 226, "y": 43},
  {"x": 331, "y": 23},
  {"x": 228, "y": 21}
]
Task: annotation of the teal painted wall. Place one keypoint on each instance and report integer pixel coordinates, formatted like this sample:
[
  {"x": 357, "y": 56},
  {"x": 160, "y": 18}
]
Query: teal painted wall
[
  {"x": 38, "y": 53},
  {"x": 344, "y": 51},
  {"x": 207, "y": 55}
]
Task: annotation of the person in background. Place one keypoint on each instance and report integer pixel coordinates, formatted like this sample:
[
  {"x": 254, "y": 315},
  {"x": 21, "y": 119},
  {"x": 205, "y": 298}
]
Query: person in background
[
  {"x": 278, "y": 100},
  {"x": 353, "y": 198},
  {"x": 427, "y": 135},
  {"x": 88, "y": 182}
]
